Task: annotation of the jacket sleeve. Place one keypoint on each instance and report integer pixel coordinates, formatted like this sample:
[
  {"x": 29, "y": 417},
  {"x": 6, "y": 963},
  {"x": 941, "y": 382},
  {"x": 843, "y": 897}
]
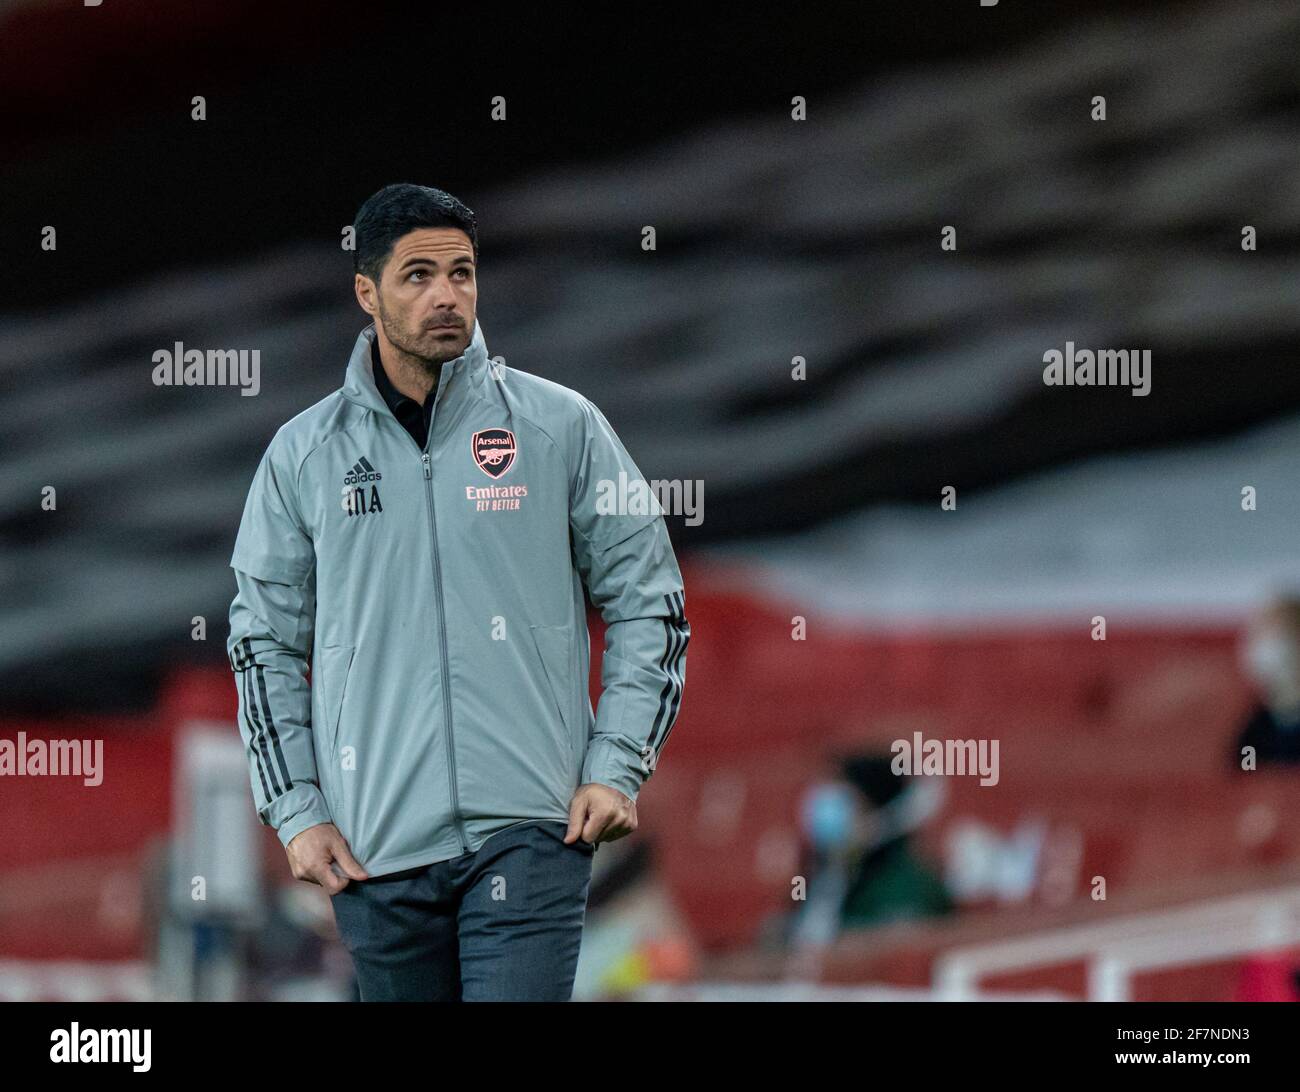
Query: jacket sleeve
[
  {"x": 625, "y": 557},
  {"x": 272, "y": 621}
]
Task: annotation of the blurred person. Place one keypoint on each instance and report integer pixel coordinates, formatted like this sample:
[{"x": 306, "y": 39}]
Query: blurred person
[
  {"x": 293, "y": 953},
  {"x": 862, "y": 868},
  {"x": 422, "y": 537},
  {"x": 1270, "y": 654},
  {"x": 635, "y": 934}
]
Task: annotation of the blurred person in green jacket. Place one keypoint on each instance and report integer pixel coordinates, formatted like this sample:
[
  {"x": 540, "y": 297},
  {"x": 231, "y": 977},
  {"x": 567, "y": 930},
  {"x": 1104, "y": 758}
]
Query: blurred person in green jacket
[{"x": 862, "y": 868}]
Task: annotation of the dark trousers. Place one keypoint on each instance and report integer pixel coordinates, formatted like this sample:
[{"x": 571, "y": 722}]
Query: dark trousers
[{"x": 501, "y": 924}]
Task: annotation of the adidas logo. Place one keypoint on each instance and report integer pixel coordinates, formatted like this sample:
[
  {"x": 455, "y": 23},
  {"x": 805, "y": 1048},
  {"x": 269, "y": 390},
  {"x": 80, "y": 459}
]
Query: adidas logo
[
  {"x": 356, "y": 501},
  {"x": 362, "y": 471}
]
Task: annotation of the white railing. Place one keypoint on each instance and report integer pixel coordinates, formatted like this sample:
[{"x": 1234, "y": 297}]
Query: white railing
[
  {"x": 814, "y": 991},
  {"x": 52, "y": 980},
  {"x": 1116, "y": 950}
]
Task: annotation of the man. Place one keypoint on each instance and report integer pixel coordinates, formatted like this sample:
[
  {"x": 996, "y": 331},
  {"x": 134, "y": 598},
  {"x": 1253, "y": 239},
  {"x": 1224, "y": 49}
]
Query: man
[{"x": 422, "y": 536}]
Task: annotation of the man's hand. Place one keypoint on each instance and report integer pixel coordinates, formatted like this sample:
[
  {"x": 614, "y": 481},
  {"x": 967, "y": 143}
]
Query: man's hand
[
  {"x": 598, "y": 813},
  {"x": 311, "y": 853}
]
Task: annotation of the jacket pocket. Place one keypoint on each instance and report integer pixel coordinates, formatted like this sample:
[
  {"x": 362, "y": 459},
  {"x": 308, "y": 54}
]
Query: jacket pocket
[
  {"x": 335, "y": 669},
  {"x": 554, "y": 648}
]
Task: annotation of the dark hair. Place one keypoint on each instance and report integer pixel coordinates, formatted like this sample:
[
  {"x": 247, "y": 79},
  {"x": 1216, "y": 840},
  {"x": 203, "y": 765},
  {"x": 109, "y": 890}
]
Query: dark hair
[
  {"x": 394, "y": 211},
  {"x": 872, "y": 774}
]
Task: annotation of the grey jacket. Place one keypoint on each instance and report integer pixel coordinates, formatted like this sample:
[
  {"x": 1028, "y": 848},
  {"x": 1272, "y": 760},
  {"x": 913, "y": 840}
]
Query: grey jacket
[{"x": 438, "y": 597}]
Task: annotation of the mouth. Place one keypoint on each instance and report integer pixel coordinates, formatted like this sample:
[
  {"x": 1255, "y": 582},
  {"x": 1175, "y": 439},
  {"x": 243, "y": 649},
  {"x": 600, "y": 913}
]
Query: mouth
[{"x": 445, "y": 326}]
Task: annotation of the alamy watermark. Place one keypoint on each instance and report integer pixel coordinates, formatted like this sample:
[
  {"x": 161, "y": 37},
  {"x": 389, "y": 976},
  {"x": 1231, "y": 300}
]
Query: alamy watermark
[
  {"x": 82, "y": 758},
  {"x": 182, "y": 367},
  {"x": 637, "y": 497},
  {"x": 1103, "y": 368},
  {"x": 131, "y": 1046},
  {"x": 918, "y": 757}
]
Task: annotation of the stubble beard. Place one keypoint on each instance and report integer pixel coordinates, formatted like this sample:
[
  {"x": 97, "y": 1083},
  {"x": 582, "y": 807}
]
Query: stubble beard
[{"x": 408, "y": 343}]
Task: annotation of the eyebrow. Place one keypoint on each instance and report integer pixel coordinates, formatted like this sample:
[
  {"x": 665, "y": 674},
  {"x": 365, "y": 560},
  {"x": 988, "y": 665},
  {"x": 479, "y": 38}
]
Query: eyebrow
[{"x": 463, "y": 259}]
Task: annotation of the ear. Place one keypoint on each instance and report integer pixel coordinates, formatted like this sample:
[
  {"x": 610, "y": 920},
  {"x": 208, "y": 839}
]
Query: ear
[{"x": 367, "y": 294}]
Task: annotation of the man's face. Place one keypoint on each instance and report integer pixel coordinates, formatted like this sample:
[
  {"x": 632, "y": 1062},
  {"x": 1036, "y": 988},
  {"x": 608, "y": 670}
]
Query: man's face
[{"x": 425, "y": 301}]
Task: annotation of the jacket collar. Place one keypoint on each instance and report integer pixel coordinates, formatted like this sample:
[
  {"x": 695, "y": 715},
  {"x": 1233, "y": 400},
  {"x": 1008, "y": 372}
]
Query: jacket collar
[{"x": 359, "y": 384}]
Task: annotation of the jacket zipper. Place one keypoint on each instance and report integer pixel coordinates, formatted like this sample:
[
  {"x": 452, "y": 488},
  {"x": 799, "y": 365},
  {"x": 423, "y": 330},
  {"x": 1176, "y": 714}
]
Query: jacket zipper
[
  {"x": 442, "y": 615},
  {"x": 442, "y": 636}
]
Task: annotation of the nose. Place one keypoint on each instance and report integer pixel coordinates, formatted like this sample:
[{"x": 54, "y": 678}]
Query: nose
[{"x": 444, "y": 296}]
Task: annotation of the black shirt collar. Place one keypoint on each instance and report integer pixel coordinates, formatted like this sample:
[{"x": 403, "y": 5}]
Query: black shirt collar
[{"x": 413, "y": 416}]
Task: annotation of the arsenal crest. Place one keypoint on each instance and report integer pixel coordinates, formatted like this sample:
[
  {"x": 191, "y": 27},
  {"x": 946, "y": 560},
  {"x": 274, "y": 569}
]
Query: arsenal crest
[{"x": 494, "y": 451}]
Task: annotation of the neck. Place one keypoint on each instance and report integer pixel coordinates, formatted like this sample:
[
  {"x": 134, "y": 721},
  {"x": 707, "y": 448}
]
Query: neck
[{"x": 412, "y": 375}]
